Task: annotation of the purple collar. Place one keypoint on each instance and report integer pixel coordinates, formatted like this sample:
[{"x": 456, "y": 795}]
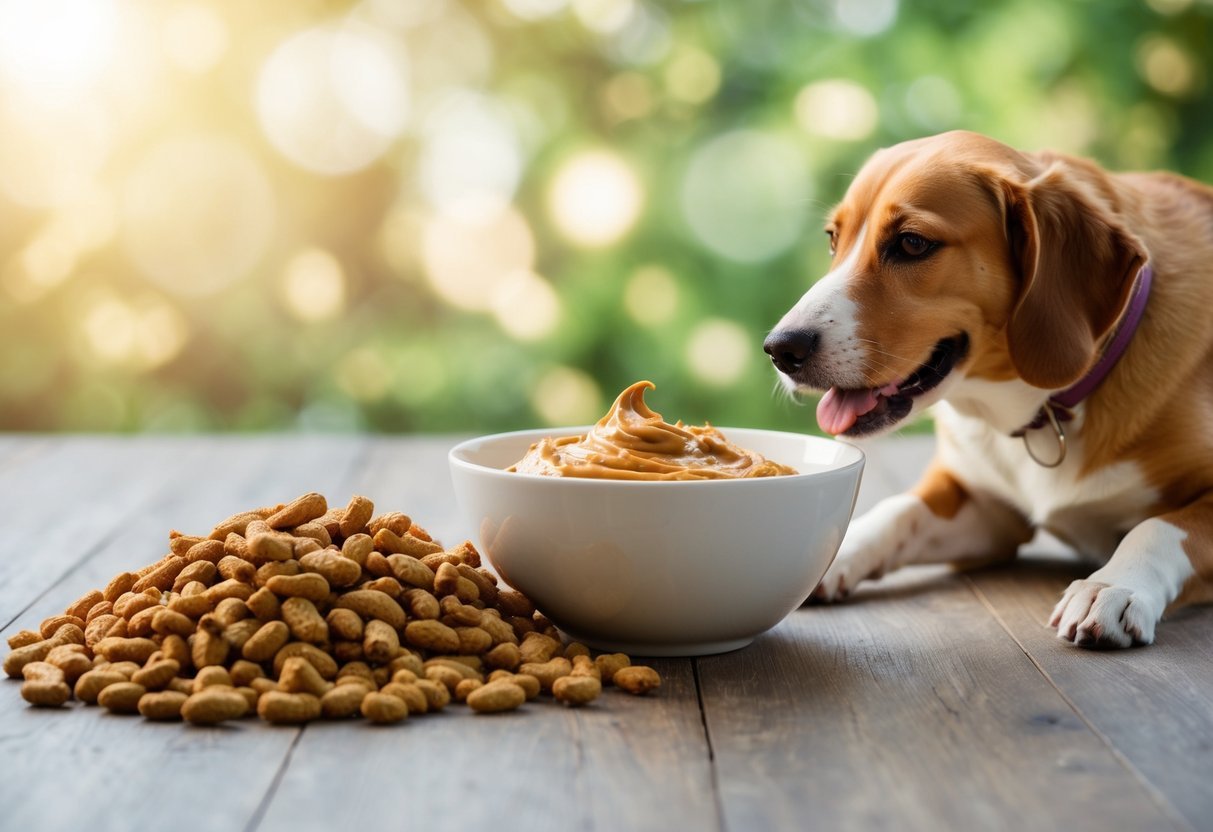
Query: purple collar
[{"x": 1060, "y": 406}]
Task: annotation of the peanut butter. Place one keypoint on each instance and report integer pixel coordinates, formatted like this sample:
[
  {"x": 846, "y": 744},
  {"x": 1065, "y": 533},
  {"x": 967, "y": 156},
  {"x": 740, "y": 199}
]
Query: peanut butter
[{"x": 632, "y": 442}]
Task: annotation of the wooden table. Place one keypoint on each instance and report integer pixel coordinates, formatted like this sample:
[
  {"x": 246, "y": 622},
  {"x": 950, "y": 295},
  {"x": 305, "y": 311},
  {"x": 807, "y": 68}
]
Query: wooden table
[{"x": 932, "y": 700}]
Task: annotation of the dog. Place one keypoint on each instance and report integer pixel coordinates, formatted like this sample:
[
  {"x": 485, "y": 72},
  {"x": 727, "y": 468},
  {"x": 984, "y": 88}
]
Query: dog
[{"x": 1053, "y": 313}]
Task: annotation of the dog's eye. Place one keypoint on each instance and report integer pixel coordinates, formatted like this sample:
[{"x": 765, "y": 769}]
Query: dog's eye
[
  {"x": 913, "y": 245},
  {"x": 833, "y": 235}
]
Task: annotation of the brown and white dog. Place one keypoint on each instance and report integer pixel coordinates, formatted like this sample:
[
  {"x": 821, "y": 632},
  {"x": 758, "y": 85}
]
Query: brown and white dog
[{"x": 986, "y": 281}]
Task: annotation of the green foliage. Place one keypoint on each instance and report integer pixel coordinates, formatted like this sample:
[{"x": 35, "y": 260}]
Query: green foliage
[{"x": 717, "y": 108}]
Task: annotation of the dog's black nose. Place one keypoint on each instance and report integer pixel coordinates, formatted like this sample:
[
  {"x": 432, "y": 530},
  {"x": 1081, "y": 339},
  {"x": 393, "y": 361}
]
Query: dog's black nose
[{"x": 790, "y": 348}]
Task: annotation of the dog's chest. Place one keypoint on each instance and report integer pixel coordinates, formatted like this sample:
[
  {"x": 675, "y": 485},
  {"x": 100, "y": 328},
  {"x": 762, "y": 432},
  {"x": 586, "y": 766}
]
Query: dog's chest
[{"x": 1091, "y": 513}]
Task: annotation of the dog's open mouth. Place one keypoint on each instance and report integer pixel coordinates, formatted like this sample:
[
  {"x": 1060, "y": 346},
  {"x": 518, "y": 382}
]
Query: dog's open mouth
[{"x": 867, "y": 410}]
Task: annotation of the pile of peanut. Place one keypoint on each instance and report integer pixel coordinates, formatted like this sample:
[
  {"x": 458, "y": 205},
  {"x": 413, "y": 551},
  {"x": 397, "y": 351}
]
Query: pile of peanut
[{"x": 297, "y": 612}]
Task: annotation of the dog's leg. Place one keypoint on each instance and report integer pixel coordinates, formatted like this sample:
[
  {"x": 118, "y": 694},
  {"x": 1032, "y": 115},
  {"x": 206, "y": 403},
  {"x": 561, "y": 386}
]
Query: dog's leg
[
  {"x": 1161, "y": 560},
  {"x": 938, "y": 522}
]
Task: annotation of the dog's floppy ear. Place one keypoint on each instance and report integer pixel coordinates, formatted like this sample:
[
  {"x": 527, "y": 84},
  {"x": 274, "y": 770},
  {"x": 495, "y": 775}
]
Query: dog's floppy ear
[{"x": 1077, "y": 265}]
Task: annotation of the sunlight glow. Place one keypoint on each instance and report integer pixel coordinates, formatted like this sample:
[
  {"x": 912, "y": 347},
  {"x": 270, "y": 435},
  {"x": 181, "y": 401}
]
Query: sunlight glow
[
  {"x": 468, "y": 258},
  {"x": 195, "y": 37},
  {"x": 52, "y": 157},
  {"x": 471, "y": 159},
  {"x": 836, "y": 109},
  {"x": 595, "y": 198},
  {"x": 651, "y": 295},
  {"x": 332, "y": 99},
  {"x": 566, "y": 396},
  {"x": 604, "y": 16},
  {"x": 526, "y": 306},
  {"x": 55, "y": 50},
  {"x": 197, "y": 214},
  {"x": 719, "y": 351},
  {"x": 313, "y": 286},
  {"x": 534, "y": 9},
  {"x": 142, "y": 333}
]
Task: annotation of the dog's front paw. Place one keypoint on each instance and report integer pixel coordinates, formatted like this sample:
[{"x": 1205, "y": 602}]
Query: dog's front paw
[
  {"x": 847, "y": 570},
  {"x": 1096, "y": 614},
  {"x": 872, "y": 546}
]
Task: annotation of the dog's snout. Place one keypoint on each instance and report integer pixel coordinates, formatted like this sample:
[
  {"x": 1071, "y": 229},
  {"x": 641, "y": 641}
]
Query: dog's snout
[{"x": 790, "y": 349}]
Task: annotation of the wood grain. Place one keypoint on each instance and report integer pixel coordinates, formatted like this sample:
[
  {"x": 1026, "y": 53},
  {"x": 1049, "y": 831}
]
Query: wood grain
[
  {"x": 95, "y": 494},
  {"x": 908, "y": 708},
  {"x": 558, "y": 768},
  {"x": 1151, "y": 704},
  {"x": 933, "y": 700},
  {"x": 64, "y": 498},
  {"x": 634, "y": 763},
  {"x": 83, "y": 768}
]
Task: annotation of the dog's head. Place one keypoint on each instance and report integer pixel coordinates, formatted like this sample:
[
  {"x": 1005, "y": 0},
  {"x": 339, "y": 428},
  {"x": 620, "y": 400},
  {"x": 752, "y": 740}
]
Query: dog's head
[{"x": 956, "y": 257}]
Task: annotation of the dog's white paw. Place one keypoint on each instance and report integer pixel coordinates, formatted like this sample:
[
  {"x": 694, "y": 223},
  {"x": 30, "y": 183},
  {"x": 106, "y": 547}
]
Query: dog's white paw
[
  {"x": 1097, "y": 614},
  {"x": 872, "y": 546},
  {"x": 863, "y": 557},
  {"x": 847, "y": 570}
]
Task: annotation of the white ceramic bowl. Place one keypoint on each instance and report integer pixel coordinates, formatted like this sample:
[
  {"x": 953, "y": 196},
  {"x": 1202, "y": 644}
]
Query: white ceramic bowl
[{"x": 661, "y": 568}]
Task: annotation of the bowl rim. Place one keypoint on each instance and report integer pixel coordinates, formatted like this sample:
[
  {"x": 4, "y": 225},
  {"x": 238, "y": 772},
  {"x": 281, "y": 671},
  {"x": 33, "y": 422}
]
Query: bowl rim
[{"x": 455, "y": 460}]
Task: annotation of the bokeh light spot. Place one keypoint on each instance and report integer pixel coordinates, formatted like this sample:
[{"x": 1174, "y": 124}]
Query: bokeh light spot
[
  {"x": 363, "y": 374},
  {"x": 471, "y": 159},
  {"x": 692, "y": 76},
  {"x": 744, "y": 195},
  {"x": 534, "y": 9},
  {"x": 604, "y": 16},
  {"x": 332, "y": 99},
  {"x": 566, "y": 396},
  {"x": 467, "y": 258},
  {"x": 1168, "y": 7},
  {"x": 313, "y": 285},
  {"x": 1166, "y": 66},
  {"x": 53, "y": 253},
  {"x": 718, "y": 352},
  {"x": 144, "y": 333},
  {"x": 52, "y": 157},
  {"x": 402, "y": 15},
  {"x": 194, "y": 37},
  {"x": 651, "y": 295},
  {"x": 626, "y": 96},
  {"x": 55, "y": 51},
  {"x": 595, "y": 198},
  {"x": 526, "y": 306},
  {"x": 644, "y": 39},
  {"x": 197, "y": 215},
  {"x": 933, "y": 103},
  {"x": 865, "y": 17},
  {"x": 836, "y": 109}
]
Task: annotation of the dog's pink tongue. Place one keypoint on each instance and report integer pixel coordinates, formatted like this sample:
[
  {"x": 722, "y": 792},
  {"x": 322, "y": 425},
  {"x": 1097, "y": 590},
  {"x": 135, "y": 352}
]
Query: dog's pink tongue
[{"x": 838, "y": 409}]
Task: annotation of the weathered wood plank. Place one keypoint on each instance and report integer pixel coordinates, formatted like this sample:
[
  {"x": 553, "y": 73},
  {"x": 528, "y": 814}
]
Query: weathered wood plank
[
  {"x": 82, "y": 768},
  {"x": 907, "y": 708},
  {"x": 13, "y": 444},
  {"x": 135, "y": 491},
  {"x": 66, "y": 497},
  {"x": 623, "y": 763},
  {"x": 1153, "y": 704}
]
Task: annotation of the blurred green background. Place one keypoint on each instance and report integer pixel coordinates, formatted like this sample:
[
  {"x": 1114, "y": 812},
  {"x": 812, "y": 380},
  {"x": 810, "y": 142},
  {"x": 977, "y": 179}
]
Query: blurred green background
[{"x": 472, "y": 215}]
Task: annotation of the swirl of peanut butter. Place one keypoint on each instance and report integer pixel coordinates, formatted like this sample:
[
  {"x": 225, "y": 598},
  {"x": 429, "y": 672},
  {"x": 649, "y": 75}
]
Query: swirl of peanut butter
[{"x": 632, "y": 442}]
